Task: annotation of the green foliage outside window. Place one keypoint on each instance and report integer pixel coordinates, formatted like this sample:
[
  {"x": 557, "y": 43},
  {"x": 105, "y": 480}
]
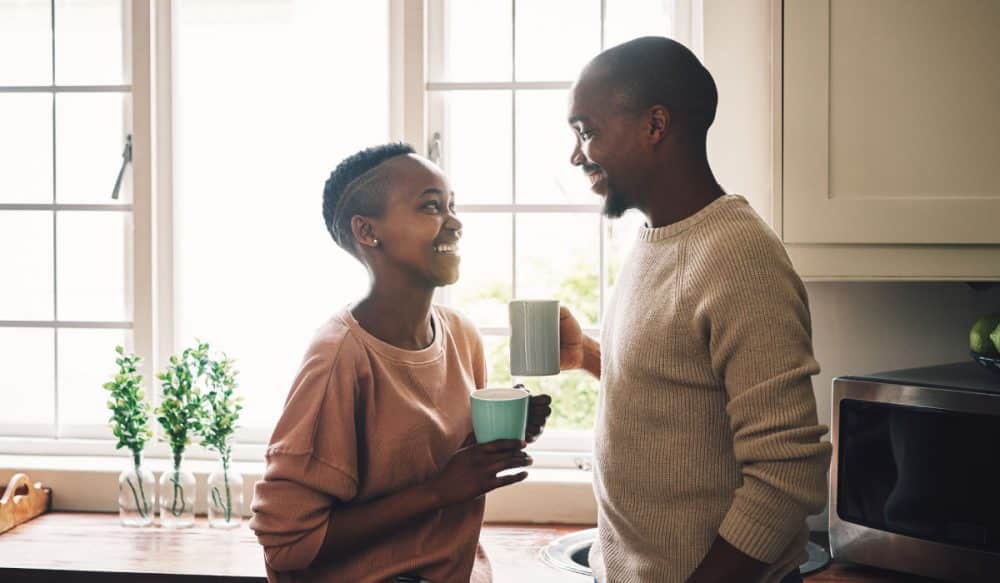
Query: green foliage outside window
[{"x": 574, "y": 393}]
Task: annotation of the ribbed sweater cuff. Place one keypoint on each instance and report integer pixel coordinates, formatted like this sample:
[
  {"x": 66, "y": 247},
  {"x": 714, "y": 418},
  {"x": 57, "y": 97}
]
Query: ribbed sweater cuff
[{"x": 762, "y": 542}]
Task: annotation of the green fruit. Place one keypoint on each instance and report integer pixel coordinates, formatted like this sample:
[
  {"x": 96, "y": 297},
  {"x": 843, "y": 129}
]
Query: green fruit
[{"x": 985, "y": 336}]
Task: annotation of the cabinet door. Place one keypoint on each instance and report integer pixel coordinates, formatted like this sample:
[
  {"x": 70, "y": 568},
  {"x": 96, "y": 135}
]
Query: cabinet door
[{"x": 891, "y": 121}]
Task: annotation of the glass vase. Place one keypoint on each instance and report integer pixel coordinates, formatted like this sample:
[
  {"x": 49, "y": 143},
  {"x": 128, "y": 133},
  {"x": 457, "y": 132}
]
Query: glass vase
[
  {"x": 225, "y": 497},
  {"x": 177, "y": 496},
  {"x": 136, "y": 494}
]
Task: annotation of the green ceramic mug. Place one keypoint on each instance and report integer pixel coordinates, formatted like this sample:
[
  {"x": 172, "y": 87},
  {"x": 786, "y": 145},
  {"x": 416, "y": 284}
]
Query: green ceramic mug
[{"x": 499, "y": 414}]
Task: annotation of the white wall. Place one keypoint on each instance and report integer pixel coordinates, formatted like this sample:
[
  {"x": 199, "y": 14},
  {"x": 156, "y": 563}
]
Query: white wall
[{"x": 857, "y": 327}]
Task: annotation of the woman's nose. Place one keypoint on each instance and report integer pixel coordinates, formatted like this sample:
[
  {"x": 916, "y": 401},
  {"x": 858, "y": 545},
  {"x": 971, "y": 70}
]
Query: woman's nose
[
  {"x": 454, "y": 224},
  {"x": 576, "y": 158}
]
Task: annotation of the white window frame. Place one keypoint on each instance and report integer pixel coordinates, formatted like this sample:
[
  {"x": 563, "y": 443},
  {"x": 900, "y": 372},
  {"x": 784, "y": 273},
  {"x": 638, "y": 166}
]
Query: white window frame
[
  {"x": 421, "y": 113},
  {"x": 138, "y": 248},
  {"x": 149, "y": 41}
]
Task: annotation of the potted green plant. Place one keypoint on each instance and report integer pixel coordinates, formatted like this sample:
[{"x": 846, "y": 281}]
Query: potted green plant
[
  {"x": 222, "y": 411},
  {"x": 130, "y": 424},
  {"x": 180, "y": 415}
]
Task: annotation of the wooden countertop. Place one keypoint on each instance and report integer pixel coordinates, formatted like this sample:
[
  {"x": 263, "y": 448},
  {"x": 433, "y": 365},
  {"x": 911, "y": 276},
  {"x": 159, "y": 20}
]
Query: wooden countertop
[{"x": 73, "y": 546}]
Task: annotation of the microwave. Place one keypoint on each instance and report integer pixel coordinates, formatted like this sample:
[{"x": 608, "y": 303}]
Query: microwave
[{"x": 915, "y": 474}]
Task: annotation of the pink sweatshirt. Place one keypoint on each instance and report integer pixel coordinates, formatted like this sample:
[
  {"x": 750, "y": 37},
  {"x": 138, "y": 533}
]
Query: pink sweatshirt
[{"x": 365, "y": 419}]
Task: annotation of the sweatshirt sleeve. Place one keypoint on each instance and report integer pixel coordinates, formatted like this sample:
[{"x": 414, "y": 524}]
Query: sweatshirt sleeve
[
  {"x": 753, "y": 309},
  {"x": 311, "y": 459}
]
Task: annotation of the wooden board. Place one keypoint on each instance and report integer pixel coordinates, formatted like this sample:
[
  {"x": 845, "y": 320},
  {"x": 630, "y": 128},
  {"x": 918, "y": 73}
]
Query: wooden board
[{"x": 22, "y": 501}]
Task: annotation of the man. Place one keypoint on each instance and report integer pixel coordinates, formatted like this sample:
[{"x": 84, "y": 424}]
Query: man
[{"x": 707, "y": 447}]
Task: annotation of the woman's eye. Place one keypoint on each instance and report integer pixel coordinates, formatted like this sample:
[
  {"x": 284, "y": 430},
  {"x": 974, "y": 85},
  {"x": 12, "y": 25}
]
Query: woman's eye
[
  {"x": 432, "y": 206},
  {"x": 586, "y": 134}
]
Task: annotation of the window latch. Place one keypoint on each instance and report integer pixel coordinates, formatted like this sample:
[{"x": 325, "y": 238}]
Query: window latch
[
  {"x": 434, "y": 148},
  {"x": 126, "y": 158}
]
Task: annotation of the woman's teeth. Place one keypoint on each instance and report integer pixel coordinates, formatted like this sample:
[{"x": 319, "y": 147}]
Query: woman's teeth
[{"x": 446, "y": 248}]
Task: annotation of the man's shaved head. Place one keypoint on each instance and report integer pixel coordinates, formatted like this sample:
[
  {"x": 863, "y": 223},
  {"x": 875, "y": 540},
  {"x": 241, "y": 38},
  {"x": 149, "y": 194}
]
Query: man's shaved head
[{"x": 655, "y": 70}]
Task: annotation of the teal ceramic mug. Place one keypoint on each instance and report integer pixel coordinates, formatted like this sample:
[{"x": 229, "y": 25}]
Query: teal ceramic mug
[{"x": 499, "y": 414}]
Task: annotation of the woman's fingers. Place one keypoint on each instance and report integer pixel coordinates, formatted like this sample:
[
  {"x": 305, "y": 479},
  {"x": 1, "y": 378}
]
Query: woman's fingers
[
  {"x": 502, "y": 445},
  {"x": 540, "y": 401},
  {"x": 511, "y": 479},
  {"x": 534, "y": 432},
  {"x": 520, "y": 461},
  {"x": 539, "y": 417}
]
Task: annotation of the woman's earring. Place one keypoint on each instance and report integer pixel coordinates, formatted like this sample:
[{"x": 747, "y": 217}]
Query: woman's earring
[{"x": 375, "y": 241}]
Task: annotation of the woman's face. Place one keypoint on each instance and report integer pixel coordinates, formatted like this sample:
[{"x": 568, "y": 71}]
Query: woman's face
[{"x": 418, "y": 231}]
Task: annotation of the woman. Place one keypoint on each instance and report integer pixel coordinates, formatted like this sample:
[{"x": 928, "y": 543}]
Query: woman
[{"x": 371, "y": 473}]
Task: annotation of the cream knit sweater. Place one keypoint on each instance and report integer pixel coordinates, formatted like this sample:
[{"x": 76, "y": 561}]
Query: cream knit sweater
[{"x": 707, "y": 420}]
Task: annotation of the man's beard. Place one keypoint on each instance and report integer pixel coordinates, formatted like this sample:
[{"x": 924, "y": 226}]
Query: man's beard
[{"x": 615, "y": 204}]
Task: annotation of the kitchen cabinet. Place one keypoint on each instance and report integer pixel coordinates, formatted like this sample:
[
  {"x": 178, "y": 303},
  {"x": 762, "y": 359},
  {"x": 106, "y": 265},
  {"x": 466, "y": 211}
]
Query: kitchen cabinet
[{"x": 889, "y": 137}]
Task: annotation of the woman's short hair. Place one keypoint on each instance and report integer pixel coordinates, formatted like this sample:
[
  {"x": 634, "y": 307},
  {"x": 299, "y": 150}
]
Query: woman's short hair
[{"x": 357, "y": 187}]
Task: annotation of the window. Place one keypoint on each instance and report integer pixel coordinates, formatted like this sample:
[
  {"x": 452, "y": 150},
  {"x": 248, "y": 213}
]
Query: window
[
  {"x": 68, "y": 294},
  {"x": 254, "y": 105},
  {"x": 498, "y": 75},
  {"x": 268, "y": 97}
]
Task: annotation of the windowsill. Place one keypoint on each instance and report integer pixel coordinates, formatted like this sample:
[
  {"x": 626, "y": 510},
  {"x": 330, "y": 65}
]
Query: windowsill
[{"x": 90, "y": 484}]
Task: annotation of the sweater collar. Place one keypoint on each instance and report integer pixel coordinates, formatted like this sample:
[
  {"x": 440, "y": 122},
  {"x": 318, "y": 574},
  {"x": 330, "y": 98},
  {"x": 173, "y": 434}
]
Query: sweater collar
[{"x": 652, "y": 234}]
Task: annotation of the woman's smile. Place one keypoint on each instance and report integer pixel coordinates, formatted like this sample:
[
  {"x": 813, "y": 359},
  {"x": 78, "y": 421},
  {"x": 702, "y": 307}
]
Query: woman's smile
[{"x": 447, "y": 249}]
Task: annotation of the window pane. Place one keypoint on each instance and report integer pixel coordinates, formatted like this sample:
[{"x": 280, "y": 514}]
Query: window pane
[
  {"x": 90, "y": 137},
  {"x": 91, "y": 265},
  {"x": 558, "y": 256},
  {"x": 574, "y": 393},
  {"x": 86, "y": 362},
  {"x": 473, "y": 43},
  {"x": 620, "y": 235},
  {"x": 25, "y": 147},
  {"x": 483, "y": 288},
  {"x": 497, "y": 350},
  {"x": 26, "y": 265},
  {"x": 628, "y": 19},
  {"x": 256, "y": 139},
  {"x": 574, "y": 398},
  {"x": 555, "y": 38},
  {"x": 89, "y": 42},
  {"x": 544, "y": 145},
  {"x": 25, "y": 42},
  {"x": 26, "y": 385},
  {"x": 476, "y": 152}
]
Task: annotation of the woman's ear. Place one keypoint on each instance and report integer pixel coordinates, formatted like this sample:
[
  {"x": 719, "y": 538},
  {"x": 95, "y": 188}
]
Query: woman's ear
[
  {"x": 364, "y": 231},
  {"x": 659, "y": 123}
]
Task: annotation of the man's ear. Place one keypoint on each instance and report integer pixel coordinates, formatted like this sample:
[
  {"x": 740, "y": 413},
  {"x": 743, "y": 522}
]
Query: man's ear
[
  {"x": 659, "y": 123},
  {"x": 363, "y": 231}
]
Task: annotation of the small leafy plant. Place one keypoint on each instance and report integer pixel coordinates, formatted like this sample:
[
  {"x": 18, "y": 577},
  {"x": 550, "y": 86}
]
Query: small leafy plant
[
  {"x": 130, "y": 418},
  {"x": 222, "y": 411},
  {"x": 180, "y": 410}
]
